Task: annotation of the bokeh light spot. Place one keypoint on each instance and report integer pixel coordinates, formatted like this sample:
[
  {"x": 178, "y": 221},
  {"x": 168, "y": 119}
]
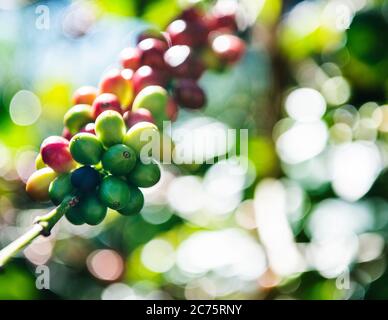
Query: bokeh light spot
[{"x": 25, "y": 108}]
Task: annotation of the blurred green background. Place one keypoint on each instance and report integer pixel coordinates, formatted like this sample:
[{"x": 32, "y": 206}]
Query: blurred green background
[{"x": 308, "y": 217}]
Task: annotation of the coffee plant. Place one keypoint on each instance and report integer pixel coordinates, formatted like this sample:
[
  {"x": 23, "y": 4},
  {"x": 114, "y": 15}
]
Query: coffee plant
[{"x": 97, "y": 164}]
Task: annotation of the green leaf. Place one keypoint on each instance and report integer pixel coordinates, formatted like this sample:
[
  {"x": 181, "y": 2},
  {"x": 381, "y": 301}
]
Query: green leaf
[{"x": 161, "y": 12}]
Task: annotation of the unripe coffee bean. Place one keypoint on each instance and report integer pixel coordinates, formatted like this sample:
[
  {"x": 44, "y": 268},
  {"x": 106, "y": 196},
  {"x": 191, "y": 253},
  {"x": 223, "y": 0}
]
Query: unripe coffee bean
[
  {"x": 119, "y": 159},
  {"x": 77, "y": 117},
  {"x": 86, "y": 148},
  {"x": 135, "y": 203},
  {"x": 39, "y": 164},
  {"x": 143, "y": 134},
  {"x": 144, "y": 175},
  {"x": 110, "y": 128},
  {"x": 114, "y": 193},
  {"x": 92, "y": 209},
  {"x": 37, "y": 185},
  {"x": 154, "y": 99},
  {"x": 60, "y": 188}
]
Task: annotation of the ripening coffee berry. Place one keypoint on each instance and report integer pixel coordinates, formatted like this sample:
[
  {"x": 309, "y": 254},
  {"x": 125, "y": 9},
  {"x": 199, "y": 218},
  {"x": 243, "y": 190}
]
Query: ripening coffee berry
[
  {"x": 191, "y": 14},
  {"x": 140, "y": 135},
  {"x": 92, "y": 209},
  {"x": 38, "y": 183},
  {"x": 188, "y": 94},
  {"x": 147, "y": 76},
  {"x": 114, "y": 193},
  {"x": 211, "y": 60},
  {"x": 140, "y": 115},
  {"x": 152, "y": 33},
  {"x": 85, "y": 95},
  {"x": 182, "y": 63},
  {"x": 154, "y": 99},
  {"x": 144, "y": 175},
  {"x": 192, "y": 34},
  {"x": 66, "y": 133},
  {"x": 135, "y": 203},
  {"x": 105, "y": 101},
  {"x": 119, "y": 160},
  {"x": 152, "y": 51},
  {"x": 60, "y": 188},
  {"x": 56, "y": 154},
  {"x": 89, "y": 128},
  {"x": 39, "y": 164},
  {"x": 86, "y": 148},
  {"x": 114, "y": 82},
  {"x": 110, "y": 128},
  {"x": 85, "y": 179},
  {"x": 131, "y": 58},
  {"x": 78, "y": 116},
  {"x": 172, "y": 109},
  {"x": 228, "y": 48},
  {"x": 223, "y": 16}
]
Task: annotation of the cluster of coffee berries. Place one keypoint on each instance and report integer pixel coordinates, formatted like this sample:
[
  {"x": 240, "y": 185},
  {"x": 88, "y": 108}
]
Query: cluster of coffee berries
[
  {"x": 98, "y": 157},
  {"x": 102, "y": 166},
  {"x": 176, "y": 58}
]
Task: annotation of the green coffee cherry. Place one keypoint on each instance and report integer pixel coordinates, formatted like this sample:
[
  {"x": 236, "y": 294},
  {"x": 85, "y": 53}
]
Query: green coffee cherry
[
  {"x": 77, "y": 117},
  {"x": 143, "y": 134},
  {"x": 92, "y": 209},
  {"x": 60, "y": 188},
  {"x": 153, "y": 98},
  {"x": 75, "y": 216},
  {"x": 86, "y": 148},
  {"x": 38, "y": 183},
  {"x": 39, "y": 164},
  {"x": 135, "y": 204},
  {"x": 114, "y": 193},
  {"x": 119, "y": 159},
  {"x": 144, "y": 175},
  {"x": 110, "y": 128}
]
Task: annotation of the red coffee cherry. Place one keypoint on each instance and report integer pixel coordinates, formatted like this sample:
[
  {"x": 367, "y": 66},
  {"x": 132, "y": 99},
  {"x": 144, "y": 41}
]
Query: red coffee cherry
[
  {"x": 66, "y": 133},
  {"x": 105, "y": 101},
  {"x": 139, "y": 115},
  {"x": 147, "y": 76},
  {"x": 56, "y": 154},
  {"x": 228, "y": 48},
  {"x": 191, "y": 14},
  {"x": 131, "y": 58},
  {"x": 152, "y": 51},
  {"x": 192, "y": 34},
  {"x": 182, "y": 63},
  {"x": 172, "y": 109},
  {"x": 89, "y": 128},
  {"x": 223, "y": 16},
  {"x": 85, "y": 95},
  {"x": 154, "y": 34},
  {"x": 188, "y": 94}
]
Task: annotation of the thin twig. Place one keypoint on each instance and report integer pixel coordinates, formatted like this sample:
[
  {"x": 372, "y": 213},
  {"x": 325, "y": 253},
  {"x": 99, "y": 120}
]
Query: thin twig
[{"x": 42, "y": 226}]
